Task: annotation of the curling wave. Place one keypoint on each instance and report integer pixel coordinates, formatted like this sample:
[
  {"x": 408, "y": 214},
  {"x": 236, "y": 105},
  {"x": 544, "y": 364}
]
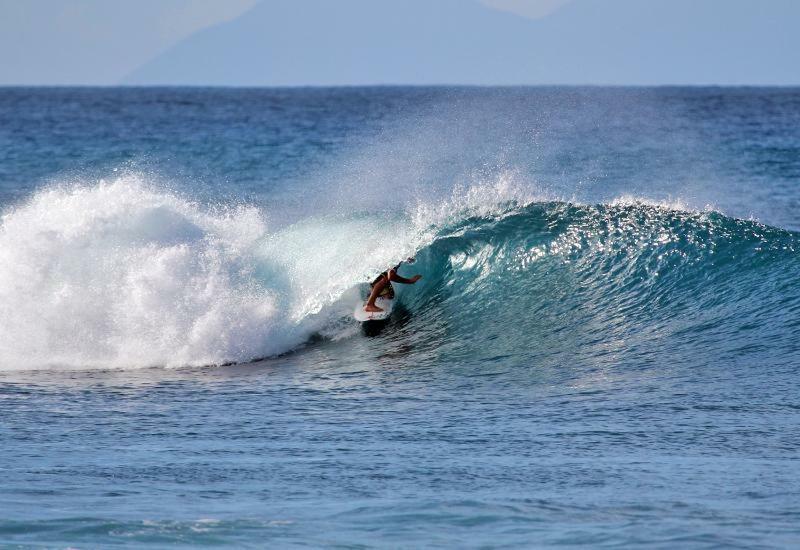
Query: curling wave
[{"x": 120, "y": 274}]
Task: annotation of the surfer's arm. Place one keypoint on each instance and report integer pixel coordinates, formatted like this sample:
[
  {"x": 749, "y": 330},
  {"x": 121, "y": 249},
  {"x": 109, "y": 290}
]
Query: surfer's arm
[{"x": 395, "y": 278}]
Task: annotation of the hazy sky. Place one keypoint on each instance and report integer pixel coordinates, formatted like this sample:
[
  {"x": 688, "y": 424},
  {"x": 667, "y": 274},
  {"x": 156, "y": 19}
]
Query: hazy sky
[
  {"x": 101, "y": 41},
  {"x": 242, "y": 42}
]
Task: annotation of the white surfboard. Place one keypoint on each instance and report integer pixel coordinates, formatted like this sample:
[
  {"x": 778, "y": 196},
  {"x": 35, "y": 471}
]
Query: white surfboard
[{"x": 384, "y": 303}]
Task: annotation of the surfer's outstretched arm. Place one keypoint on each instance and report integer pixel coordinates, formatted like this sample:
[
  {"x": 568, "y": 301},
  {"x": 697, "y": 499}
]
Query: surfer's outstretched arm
[{"x": 395, "y": 278}]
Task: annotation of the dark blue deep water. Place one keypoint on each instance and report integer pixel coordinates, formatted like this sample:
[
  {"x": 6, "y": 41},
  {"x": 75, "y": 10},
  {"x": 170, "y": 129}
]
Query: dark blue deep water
[{"x": 604, "y": 349}]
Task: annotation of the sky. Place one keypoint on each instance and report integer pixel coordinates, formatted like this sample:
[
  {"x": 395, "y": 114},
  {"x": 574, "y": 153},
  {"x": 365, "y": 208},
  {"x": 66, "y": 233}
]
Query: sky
[
  {"x": 45, "y": 42},
  {"x": 294, "y": 42}
]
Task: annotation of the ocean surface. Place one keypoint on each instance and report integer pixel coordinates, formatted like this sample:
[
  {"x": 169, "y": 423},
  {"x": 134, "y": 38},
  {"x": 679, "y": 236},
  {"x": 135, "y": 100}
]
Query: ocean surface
[{"x": 604, "y": 349}]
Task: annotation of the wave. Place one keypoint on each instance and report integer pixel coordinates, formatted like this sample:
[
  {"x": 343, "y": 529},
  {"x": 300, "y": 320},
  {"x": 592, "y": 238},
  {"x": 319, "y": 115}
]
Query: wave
[
  {"x": 559, "y": 282},
  {"x": 122, "y": 274}
]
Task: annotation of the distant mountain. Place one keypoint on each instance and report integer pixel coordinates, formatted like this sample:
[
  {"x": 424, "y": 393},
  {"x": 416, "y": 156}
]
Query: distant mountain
[
  {"x": 96, "y": 42},
  {"x": 340, "y": 42}
]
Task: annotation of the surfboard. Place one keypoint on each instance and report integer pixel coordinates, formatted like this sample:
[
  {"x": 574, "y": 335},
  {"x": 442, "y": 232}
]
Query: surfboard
[{"x": 384, "y": 303}]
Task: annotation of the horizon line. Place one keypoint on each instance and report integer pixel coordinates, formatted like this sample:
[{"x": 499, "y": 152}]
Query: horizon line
[{"x": 385, "y": 85}]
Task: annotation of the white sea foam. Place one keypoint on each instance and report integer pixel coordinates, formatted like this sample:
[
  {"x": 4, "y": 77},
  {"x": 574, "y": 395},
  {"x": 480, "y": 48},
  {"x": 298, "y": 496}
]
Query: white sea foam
[
  {"x": 120, "y": 274},
  {"x": 117, "y": 274}
]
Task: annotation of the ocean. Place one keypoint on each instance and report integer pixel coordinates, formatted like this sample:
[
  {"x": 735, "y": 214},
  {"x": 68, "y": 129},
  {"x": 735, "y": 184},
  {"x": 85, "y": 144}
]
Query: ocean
[{"x": 603, "y": 351}]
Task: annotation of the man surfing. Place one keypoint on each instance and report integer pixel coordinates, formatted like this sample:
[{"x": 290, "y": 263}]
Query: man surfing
[{"x": 382, "y": 286}]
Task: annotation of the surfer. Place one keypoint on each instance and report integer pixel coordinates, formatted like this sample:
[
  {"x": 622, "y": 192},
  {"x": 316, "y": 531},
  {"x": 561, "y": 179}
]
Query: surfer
[{"x": 382, "y": 286}]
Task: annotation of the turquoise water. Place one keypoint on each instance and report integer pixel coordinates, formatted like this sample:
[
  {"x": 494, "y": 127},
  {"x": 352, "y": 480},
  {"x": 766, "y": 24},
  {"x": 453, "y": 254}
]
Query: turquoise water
[{"x": 603, "y": 349}]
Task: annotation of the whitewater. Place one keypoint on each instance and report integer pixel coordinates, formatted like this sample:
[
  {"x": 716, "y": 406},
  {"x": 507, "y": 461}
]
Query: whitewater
[
  {"x": 129, "y": 275},
  {"x": 603, "y": 348}
]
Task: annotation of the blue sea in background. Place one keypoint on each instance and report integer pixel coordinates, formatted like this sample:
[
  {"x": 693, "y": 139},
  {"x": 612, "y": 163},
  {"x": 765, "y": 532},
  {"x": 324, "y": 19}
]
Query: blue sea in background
[{"x": 604, "y": 349}]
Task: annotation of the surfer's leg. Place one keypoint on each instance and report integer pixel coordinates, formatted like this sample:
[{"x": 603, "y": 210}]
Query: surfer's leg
[{"x": 376, "y": 291}]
